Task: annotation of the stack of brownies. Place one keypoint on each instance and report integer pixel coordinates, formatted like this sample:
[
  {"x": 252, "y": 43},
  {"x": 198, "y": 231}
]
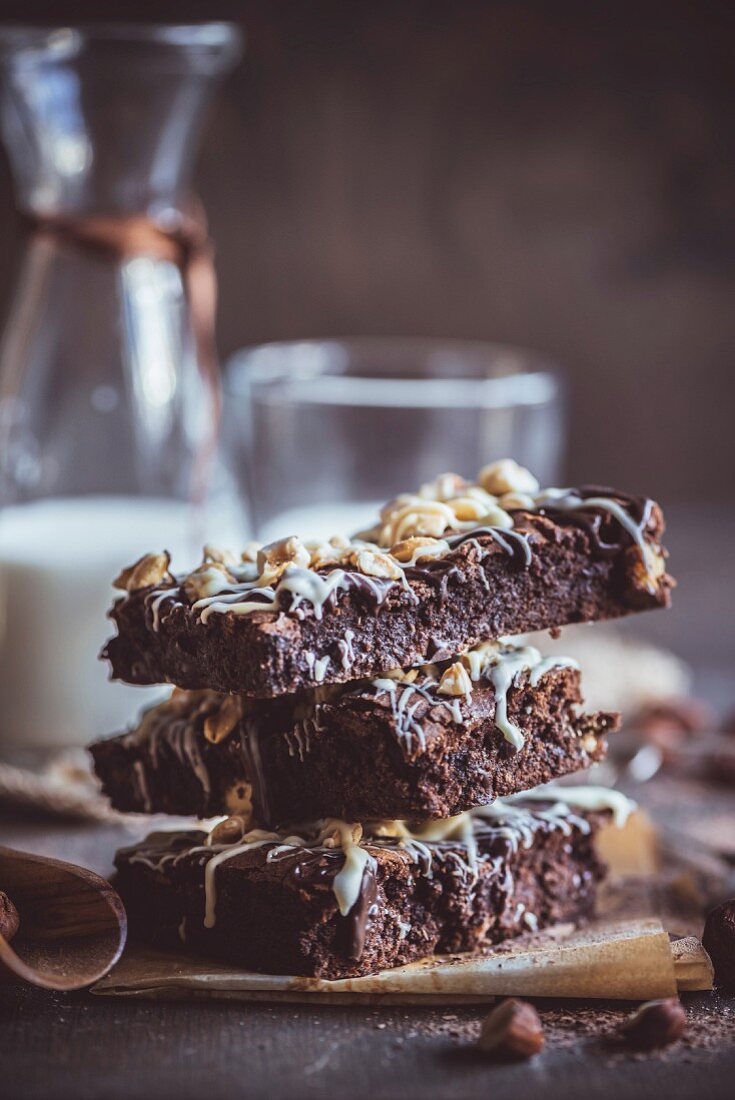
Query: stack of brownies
[{"x": 382, "y": 752}]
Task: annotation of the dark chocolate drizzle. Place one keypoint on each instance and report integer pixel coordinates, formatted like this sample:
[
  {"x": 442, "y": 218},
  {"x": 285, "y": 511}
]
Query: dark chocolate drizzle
[
  {"x": 606, "y": 534},
  {"x": 515, "y": 544},
  {"x": 440, "y": 572},
  {"x": 360, "y": 915},
  {"x": 250, "y": 746}
]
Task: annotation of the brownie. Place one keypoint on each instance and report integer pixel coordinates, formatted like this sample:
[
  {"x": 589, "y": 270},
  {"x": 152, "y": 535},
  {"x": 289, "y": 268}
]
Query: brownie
[
  {"x": 272, "y": 904},
  {"x": 370, "y": 750},
  {"x": 552, "y": 568}
]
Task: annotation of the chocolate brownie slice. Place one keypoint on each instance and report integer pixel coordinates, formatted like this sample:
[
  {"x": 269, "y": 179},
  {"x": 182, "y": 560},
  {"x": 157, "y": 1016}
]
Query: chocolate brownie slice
[
  {"x": 430, "y": 743},
  {"x": 298, "y": 615},
  {"x": 331, "y": 902}
]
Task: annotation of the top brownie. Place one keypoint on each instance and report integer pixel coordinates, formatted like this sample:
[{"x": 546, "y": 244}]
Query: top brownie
[{"x": 444, "y": 569}]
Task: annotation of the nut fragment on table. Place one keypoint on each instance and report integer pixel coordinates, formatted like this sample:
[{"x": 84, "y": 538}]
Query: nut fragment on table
[
  {"x": 718, "y": 940},
  {"x": 9, "y": 919},
  {"x": 513, "y": 1030},
  {"x": 655, "y": 1024},
  {"x": 670, "y": 723}
]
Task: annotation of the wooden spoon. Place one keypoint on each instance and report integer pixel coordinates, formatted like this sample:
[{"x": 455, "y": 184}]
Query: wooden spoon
[{"x": 72, "y": 925}]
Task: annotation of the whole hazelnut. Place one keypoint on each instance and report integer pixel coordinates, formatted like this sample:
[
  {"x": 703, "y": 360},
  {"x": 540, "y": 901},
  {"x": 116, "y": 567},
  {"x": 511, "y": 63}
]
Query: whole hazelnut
[
  {"x": 721, "y": 768},
  {"x": 9, "y": 919},
  {"x": 718, "y": 940},
  {"x": 655, "y": 1024},
  {"x": 513, "y": 1030},
  {"x": 683, "y": 713},
  {"x": 728, "y": 725},
  {"x": 669, "y": 723}
]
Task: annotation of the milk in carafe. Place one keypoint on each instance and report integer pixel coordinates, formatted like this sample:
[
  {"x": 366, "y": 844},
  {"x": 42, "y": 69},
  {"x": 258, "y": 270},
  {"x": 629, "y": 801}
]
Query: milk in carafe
[{"x": 58, "y": 558}]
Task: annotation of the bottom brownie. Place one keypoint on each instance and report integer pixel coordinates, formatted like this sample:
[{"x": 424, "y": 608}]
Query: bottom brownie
[{"x": 332, "y": 902}]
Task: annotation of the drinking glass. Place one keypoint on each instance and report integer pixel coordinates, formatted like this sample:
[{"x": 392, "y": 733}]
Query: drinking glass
[{"x": 321, "y": 433}]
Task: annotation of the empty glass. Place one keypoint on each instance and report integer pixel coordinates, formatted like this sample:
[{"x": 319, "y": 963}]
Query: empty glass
[{"x": 322, "y": 432}]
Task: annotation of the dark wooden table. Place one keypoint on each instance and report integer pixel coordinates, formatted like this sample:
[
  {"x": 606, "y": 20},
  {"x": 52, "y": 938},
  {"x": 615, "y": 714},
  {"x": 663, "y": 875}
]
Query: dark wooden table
[
  {"x": 82, "y": 1046},
  {"x": 85, "y": 1046}
]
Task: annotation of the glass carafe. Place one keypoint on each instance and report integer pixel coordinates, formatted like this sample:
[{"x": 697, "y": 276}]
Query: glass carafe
[{"x": 109, "y": 393}]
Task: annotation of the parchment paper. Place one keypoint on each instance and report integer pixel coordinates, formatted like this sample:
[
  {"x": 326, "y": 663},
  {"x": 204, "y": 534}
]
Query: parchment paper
[{"x": 630, "y": 960}]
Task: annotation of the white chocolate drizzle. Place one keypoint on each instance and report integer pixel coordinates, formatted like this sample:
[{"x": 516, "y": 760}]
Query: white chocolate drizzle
[
  {"x": 455, "y": 839},
  {"x": 501, "y": 664},
  {"x": 317, "y": 666},
  {"x": 498, "y": 663},
  {"x": 173, "y": 724},
  {"x": 405, "y": 700},
  {"x": 567, "y": 500},
  {"x": 584, "y": 797}
]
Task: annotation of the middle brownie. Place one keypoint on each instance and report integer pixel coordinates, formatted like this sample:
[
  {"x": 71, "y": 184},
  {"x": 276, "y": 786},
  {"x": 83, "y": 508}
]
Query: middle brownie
[{"x": 431, "y": 742}]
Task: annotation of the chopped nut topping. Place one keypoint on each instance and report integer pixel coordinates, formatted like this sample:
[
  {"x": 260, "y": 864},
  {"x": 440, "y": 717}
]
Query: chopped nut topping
[
  {"x": 251, "y": 551},
  {"x": 327, "y": 553},
  {"x": 648, "y": 573},
  {"x": 215, "y": 554},
  {"x": 239, "y": 798},
  {"x": 506, "y": 476},
  {"x": 444, "y": 487},
  {"x": 414, "y": 516},
  {"x": 374, "y": 564},
  {"x": 411, "y": 516},
  {"x": 402, "y": 676},
  {"x": 220, "y": 725},
  {"x": 417, "y": 548},
  {"x": 147, "y": 572},
  {"x": 337, "y": 837},
  {"x": 474, "y": 505},
  {"x": 232, "y": 829},
  {"x": 275, "y": 558},
  {"x": 455, "y": 681},
  {"x": 518, "y": 501},
  {"x": 206, "y": 580}
]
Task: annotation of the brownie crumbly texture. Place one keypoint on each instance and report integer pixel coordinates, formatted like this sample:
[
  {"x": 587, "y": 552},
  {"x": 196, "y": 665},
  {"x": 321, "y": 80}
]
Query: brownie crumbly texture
[
  {"x": 272, "y": 905},
  {"x": 568, "y": 559},
  {"x": 371, "y": 750}
]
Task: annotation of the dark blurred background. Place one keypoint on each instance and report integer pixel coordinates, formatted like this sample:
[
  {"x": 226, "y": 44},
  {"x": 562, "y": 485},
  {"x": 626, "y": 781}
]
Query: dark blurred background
[{"x": 561, "y": 175}]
